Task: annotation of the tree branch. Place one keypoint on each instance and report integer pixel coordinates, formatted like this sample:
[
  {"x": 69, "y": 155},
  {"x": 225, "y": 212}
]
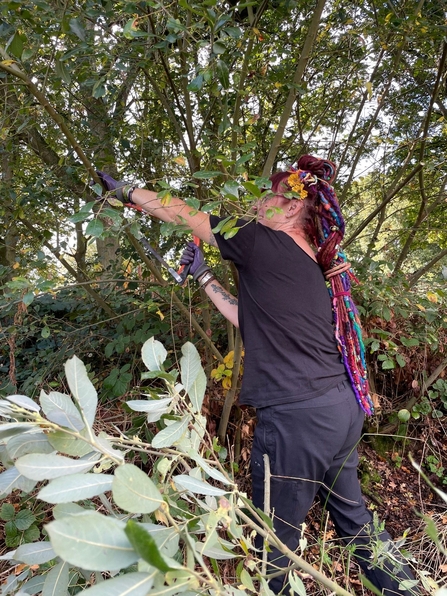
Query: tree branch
[{"x": 297, "y": 79}]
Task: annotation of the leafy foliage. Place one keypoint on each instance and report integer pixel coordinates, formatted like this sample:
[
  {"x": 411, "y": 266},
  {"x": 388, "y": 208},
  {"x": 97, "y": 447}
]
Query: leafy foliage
[{"x": 154, "y": 531}]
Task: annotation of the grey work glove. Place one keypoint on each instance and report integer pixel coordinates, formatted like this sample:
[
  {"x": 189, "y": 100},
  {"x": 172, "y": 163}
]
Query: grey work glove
[{"x": 193, "y": 256}]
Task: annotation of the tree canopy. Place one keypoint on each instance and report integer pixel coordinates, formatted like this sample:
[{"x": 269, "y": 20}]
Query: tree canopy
[{"x": 205, "y": 100}]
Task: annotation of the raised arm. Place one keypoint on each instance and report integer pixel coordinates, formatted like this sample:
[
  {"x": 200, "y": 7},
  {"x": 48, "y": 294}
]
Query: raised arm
[{"x": 175, "y": 210}]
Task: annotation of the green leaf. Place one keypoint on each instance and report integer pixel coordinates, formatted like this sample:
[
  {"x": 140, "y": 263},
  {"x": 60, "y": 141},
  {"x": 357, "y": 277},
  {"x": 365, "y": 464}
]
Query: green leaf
[
  {"x": 231, "y": 233},
  {"x": 203, "y": 174},
  {"x": 7, "y": 512},
  {"x": 37, "y": 553},
  {"x": 400, "y": 360},
  {"x": 252, "y": 189},
  {"x": 38, "y": 466},
  {"x": 24, "y": 519},
  {"x": 59, "y": 408},
  {"x": 92, "y": 541},
  {"x": 404, "y": 415},
  {"x": 215, "y": 551},
  {"x": 145, "y": 546},
  {"x": 24, "y": 402},
  {"x": 231, "y": 187},
  {"x": 82, "y": 389},
  {"x": 77, "y": 28},
  {"x": 130, "y": 584},
  {"x": 12, "y": 479},
  {"x": 172, "y": 433},
  {"x": 156, "y": 408},
  {"x": 45, "y": 332},
  {"x": 184, "y": 482},
  {"x": 67, "y": 510},
  {"x": 388, "y": 364},
  {"x": 62, "y": 72},
  {"x": 208, "y": 469},
  {"x": 95, "y": 228},
  {"x": 247, "y": 581},
  {"x": 196, "y": 84},
  {"x": 129, "y": 29},
  {"x": 142, "y": 405},
  {"x": 192, "y": 375},
  {"x": 409, "y": 342},
  {"x": 56, "y": 582},
  {"x": 218, "y": 48},
  {"x": 10, "y": 429},
  {"x": 28, "y": 298},
  {"x": 75, "y": 488},
  {"x": 31, "y": 534},
  {"x": 153, "y": 354},
  {"x": 15, "y": 47},
  {"x": 98, "y": 189},
  {"x": 33, "y": 442},
  {"x": 34, "y": 585},
  {"x": 11, "y": 530},
  {"x": 78, "y": 217},
  {"x": 296, "y": 584},
  {"x": 223, "y": 74},
  {"x": 134, "y": 491},
  {"x": 69, "y": 445}
]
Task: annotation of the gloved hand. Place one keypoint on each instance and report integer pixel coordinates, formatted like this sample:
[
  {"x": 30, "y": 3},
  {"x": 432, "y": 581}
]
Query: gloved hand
[
  {"x": 193, "y": 256},
  {"x": 120, "y": 188}
]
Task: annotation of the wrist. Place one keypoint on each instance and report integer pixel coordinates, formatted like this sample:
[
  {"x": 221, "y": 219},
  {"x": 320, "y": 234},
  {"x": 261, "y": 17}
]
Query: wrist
[
  {"x": 127, "y": 194},
  {"x": 206, "y": 278}
]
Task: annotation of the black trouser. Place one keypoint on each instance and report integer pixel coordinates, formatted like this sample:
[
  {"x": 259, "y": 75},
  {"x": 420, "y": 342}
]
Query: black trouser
[{"x": 312, "y": 450}]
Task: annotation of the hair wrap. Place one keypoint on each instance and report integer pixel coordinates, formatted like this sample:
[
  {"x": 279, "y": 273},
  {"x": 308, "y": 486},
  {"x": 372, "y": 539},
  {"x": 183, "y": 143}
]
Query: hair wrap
[{"x": 325, "y": 226}]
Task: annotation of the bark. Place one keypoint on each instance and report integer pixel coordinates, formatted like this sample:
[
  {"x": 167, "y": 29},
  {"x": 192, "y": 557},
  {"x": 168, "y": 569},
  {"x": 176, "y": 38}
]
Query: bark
[
  {"x": 423, "y": 270},
  {"x": 8, "y": 243},
  {"x": 231, "y": 395}
]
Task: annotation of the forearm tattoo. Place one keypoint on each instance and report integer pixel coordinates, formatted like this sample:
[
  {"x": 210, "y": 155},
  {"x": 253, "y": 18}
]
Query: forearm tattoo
[{"x": 225, "y": 295}]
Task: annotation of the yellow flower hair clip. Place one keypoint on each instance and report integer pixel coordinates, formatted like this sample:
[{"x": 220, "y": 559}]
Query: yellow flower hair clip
[{"x": 297, "y": 185}]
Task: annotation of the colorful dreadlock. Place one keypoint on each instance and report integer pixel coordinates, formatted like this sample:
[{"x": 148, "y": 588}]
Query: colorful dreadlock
[{"x": 325, "y": 226}]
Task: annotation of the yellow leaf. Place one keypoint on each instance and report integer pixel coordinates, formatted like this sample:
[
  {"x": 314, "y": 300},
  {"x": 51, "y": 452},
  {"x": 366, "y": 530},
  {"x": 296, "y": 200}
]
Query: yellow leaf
[
  {"x": 166, "y": 199},
  {"x": 369, "y": 89},
  {"x": 432, "y": 297},
  {"x": 278, "y": 85},
  {"x": 226, "y": 383},
  {"x": 244, "y": 546},
  {"x": 160, "y": 314},
  {"x": 229, "y": 359},
  {"x": 420, "y": 307},
  {"x": 16, "y": 265},
  {"x": 7, "y": 62},
  {"x": 180, "y": 160},
  {"x": 114, "y": 202}
]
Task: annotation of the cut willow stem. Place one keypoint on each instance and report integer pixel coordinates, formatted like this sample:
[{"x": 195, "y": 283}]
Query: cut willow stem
[
  {"x": 301, "y": 563},
  {"x": 267, "y": 478}
]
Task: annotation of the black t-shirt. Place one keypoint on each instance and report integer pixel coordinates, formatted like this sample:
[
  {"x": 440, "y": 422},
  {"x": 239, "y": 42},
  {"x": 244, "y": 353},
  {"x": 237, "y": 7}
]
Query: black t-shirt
[{"x": 285, "y": 318}]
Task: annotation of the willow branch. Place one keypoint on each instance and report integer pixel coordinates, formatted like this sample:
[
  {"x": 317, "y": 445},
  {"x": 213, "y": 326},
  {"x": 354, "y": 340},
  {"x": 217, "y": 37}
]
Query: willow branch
[
  {"x": 423, "y": 270},
  {"x": 391, "y": 194},
  {"x": 175, "y": 299},
  {"x": 8, "y": 65},
  {"x": 297, "y": 79}
]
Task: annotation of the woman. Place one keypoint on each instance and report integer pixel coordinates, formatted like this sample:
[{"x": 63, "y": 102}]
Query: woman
[{"x": 304, "y": 368}]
